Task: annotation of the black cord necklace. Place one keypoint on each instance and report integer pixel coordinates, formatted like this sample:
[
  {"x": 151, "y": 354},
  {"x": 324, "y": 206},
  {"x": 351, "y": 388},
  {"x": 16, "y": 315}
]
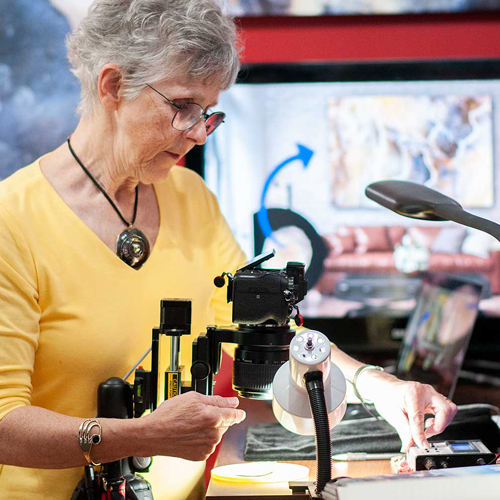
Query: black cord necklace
[{"x": 132, "y": 246}]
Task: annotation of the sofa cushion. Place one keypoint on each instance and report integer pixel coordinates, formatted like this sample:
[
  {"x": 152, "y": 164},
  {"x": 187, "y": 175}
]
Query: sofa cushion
[
  {"x": 459, "y": 263},
  {"x": 372, "y": 239},
  {"x": 449, "y": 240},
  {"x": 367, "y": 262},
  {"x": 424, "y": 236},
  {"x": 395, "y": 234},
  {"x": 343, "y": 241},
  {"x": 477, "y": 243}
]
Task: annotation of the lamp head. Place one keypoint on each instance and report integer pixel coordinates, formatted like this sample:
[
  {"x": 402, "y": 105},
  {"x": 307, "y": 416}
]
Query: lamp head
[
  {"x": 309, "y": 352},
  {"x": 409, "y": 199}
]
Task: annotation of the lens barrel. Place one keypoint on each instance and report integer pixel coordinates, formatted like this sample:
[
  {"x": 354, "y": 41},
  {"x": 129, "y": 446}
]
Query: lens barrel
[{"x": 254, "y": 368}]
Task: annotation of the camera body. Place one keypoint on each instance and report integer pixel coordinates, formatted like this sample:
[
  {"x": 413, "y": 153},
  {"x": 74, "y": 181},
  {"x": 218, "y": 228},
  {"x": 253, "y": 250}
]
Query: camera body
[
  {"x": 266, "y": 295},
  {"x": 263, "y": 302}
]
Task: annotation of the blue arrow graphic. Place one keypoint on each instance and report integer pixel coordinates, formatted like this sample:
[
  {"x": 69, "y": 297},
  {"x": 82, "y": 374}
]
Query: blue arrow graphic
[{"x": 304, "y": 155}]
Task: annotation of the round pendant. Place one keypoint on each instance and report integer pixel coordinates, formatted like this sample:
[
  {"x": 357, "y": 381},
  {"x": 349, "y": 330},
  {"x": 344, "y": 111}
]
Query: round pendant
[{"x": 132, "y": 247}]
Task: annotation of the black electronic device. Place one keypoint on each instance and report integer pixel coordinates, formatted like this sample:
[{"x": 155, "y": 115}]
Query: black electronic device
[
  {"x": 263, "y": 302},
  {"x": 445, "y": 454}
]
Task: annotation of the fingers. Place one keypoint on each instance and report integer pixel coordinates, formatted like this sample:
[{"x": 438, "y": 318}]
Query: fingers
[
  {"x": 423, "y": 399},
  {"x": 416, "y": 403},
  {"x": 191, "y": 424},
  {"x": 404, "y": 406},
  {"x": 221, "y": 402},
  {"x": 400, "y": 422},
  {"x": 429, "y": 428},
  {"x": 229, "y": 414},
  {"x": 444, "y": 411},
  {"x": 230, "y": 417}
]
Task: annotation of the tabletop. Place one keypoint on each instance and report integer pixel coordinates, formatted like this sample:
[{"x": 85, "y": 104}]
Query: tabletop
[{"x": 231, "y": 452}]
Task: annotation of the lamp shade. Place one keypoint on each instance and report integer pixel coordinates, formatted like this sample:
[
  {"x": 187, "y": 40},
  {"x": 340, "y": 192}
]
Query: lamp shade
[{"x": 309, "y": 352}]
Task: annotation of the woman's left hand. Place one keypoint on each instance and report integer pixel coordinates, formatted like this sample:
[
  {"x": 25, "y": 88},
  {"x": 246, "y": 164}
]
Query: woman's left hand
[{"x": 404, "y": 404}]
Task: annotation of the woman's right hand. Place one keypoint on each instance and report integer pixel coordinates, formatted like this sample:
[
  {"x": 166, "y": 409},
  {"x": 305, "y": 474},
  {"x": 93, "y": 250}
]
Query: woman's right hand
[{"x": 190, "y": 425}]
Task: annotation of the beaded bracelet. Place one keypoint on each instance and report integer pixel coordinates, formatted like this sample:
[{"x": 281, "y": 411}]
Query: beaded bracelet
[{"x": 87, "y": 440}]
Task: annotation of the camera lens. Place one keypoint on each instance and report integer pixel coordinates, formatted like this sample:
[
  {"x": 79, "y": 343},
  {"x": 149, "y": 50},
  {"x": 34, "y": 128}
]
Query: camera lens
[{"x": 254, "y": 368}]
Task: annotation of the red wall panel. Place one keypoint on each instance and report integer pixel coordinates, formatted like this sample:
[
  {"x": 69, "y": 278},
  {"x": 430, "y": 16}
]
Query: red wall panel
[{"x": 284, "y": 39}]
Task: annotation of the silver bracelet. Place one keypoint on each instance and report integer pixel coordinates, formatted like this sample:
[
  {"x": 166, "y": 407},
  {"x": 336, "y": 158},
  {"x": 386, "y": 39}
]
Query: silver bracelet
[
  {"x": 87, "y": 440},
  {"x": 357, "y": 373}
]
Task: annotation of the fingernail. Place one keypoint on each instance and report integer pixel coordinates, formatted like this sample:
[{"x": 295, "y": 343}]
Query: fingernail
[{"x": 233, "y": 401}]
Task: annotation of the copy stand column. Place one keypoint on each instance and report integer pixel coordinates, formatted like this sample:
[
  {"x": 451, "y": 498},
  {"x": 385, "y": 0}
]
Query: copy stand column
[{"x": 175, "y": 321}]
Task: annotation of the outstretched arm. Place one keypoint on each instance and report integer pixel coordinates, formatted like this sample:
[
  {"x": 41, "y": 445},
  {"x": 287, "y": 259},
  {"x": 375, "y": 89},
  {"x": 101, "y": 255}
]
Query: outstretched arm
[
  {"x": 188, "y": 426},
  {"x": 403, "y": 404}
]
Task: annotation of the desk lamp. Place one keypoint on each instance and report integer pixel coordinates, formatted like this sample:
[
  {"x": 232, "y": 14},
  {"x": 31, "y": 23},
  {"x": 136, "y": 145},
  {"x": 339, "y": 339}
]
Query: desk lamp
[
  {"x": 420, "y": 202},
  {"x": 309, "y": 396}
]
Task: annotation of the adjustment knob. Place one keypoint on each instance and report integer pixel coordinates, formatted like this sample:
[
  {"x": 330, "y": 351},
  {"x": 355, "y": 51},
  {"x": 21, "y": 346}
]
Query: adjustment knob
[
  {"x": 142, "y": 464},
  {"x": 219, "y": 281},
  {"x": 481, "y": 461},
  {"x": 200, "y": 370}
]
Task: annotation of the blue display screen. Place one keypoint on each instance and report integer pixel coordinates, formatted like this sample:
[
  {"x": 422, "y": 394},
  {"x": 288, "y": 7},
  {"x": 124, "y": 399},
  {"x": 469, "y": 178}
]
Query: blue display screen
[{"x": 462, "y": 446}]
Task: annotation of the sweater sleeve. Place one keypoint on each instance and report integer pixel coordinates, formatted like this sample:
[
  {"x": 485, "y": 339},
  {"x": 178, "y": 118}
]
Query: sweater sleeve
[{"x": 20, "y": 316}]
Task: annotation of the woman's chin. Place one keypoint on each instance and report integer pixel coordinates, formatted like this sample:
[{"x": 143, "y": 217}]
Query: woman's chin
[{"x": 158, "y": 170}]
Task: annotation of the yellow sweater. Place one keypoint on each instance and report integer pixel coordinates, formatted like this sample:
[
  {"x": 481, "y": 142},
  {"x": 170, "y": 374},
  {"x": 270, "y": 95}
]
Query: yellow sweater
[{"x": 73, "y": 314}]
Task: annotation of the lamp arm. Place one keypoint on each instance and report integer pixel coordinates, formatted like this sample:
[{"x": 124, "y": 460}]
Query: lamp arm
[
  {"x": 457, "y": 214},
  {"x": 319, "y": 410}
]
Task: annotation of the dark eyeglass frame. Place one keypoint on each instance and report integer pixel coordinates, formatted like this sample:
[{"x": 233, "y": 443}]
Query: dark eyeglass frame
[{"x": 217, "y": 115}]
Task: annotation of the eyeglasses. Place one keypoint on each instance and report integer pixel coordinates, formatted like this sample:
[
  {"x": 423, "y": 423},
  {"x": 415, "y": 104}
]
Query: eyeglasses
[{"x": 188, "y": 115}]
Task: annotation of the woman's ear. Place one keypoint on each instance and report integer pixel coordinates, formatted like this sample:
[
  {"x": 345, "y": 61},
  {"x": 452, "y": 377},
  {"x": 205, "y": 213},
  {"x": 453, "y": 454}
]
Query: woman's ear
[{"x": 109, "y": 86}]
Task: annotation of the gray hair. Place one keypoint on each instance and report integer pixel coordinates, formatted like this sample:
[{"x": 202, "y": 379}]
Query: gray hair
[{"x": 151, "y": 40}]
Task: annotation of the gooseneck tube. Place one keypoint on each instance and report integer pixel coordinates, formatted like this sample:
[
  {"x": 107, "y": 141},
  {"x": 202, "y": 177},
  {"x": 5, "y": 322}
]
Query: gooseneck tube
[{"x": 316, "y": 393}]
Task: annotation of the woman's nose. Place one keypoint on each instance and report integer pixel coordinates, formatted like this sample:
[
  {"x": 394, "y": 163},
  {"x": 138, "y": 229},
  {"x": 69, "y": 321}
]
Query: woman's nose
[{"x": 197, "y": 132}]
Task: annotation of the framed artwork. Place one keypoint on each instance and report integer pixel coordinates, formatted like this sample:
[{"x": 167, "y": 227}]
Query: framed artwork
[
  {"x": 441, "y": 139},
  {"x": 302, "y": 141}
]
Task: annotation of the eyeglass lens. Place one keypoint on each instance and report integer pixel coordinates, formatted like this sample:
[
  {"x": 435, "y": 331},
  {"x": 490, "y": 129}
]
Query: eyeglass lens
[
  {"x": 213, "y": 121},
  {"x": 187, "y": 116},
  {"x": 190, "y": 113}
]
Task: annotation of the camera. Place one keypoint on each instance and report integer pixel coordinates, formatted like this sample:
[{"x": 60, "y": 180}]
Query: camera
[
  {"x": 263, "y": 302},
  {"x": 262, "y": 296}
]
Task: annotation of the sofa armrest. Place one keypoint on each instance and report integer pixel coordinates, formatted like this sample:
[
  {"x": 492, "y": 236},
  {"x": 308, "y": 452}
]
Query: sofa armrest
[{"x": 495, "y": 271}]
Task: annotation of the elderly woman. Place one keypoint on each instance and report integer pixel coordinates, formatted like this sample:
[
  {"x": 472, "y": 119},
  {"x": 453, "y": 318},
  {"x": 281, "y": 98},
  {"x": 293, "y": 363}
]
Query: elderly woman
[{"x": 95, "y": 233}]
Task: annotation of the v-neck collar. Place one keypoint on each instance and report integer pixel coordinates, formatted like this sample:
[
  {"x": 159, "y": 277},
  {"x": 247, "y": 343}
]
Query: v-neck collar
[{"x": 91, "y": 234}]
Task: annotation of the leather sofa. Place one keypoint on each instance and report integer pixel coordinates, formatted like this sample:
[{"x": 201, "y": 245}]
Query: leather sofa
[{"x": 370, "y": 250}]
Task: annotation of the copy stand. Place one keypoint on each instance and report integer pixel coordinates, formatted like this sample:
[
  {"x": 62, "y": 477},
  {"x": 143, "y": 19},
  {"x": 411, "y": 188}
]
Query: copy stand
[{"x": 263, "y": 302}]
